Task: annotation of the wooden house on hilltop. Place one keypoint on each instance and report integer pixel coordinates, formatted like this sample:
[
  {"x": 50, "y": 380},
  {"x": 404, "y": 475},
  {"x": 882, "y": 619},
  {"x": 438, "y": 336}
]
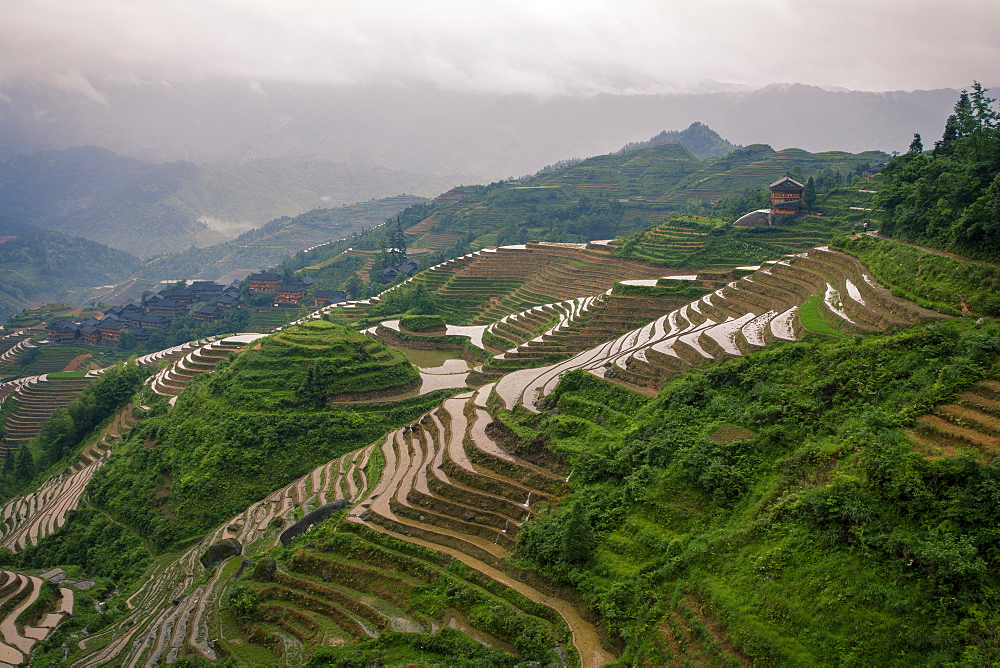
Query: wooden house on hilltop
[{"x": 787, "y": 196}]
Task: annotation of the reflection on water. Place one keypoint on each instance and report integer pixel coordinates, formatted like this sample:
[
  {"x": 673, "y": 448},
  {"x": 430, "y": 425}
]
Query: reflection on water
[
  {"x": 448, "y": 367},
  {"x": 427, "y": 360},
  {"x": 439, "y": 369}
]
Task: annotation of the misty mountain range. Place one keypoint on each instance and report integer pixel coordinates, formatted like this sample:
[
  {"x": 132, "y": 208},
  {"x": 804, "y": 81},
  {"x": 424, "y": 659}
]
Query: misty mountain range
[
  {"x": 149, "y": 209},
  {"x": 468, "y": 137}
]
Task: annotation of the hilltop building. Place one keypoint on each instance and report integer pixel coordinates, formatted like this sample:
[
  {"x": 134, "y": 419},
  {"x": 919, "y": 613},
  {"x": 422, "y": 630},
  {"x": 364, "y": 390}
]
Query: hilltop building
[{"x": 787, "y": 196}]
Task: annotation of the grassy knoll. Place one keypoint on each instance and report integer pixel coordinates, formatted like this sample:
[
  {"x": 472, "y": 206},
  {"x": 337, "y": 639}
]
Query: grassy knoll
[
  {"x": 932, "y": 279},
  {"x": 772, "y": 507},
  {"x": 252, "y": 426}
]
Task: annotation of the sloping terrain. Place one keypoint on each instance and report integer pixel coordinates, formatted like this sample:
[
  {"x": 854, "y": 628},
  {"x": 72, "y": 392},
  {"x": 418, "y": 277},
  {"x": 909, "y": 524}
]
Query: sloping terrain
[
  {"x": 612, "y": 195},
  {"x": 470, "y": 516}
]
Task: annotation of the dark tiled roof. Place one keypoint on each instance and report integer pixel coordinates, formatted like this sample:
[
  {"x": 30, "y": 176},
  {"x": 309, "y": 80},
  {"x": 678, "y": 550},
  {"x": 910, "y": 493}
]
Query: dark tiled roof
[
  {"x": 787, "y": 183},
  {"x": 168, "y": 303}
]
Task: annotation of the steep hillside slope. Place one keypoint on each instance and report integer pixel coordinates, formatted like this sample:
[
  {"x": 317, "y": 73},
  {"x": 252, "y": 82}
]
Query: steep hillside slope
[
  {"x": 254, "y": 424},
  {"x": 611, "y": 195},
  {"x": 558, "y": 517}
]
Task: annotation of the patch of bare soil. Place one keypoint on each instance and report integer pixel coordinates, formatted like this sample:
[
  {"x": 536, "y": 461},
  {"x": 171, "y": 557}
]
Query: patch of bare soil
[{"x": 76, "y": 361}]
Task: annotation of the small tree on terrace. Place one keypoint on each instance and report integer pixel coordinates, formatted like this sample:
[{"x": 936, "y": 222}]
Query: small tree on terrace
[
  {"x": 810, "y": 195},
  {"x": 397, "y": 244}
]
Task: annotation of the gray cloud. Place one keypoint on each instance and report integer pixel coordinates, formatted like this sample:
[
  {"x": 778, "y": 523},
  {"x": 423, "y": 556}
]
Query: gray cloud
[{"x": 541, "y": 47}]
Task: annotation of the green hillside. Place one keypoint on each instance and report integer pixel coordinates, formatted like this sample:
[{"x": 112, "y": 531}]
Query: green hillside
[
  {"x": 697, "y": 138},
  {"x": 778, "y": 496},
  {"x": 668, "y": 458},
  {"x": 949, "y": 197},
  {"x": 252, "y": 426},
  {"x": 39, "y": 266},
  {"x": 269, "y": 244},
  {"x": 613, "y": 195}
]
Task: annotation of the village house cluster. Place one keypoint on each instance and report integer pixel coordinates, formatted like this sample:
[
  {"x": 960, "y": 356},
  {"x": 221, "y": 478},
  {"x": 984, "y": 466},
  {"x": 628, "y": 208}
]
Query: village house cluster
[
  {"x": 206, "y": 301},
  {"x": 293, "y": 292}
]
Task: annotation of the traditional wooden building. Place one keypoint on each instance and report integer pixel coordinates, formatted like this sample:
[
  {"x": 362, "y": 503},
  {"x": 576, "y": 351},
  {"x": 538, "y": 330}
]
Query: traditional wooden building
[
  {"x": 291, "y": 293},
  {"x": 206, "y": 290},
  {"x": 91, "y": 334},
  {"x": 787, "y": 196},
  {"x": 324, "y": 297},
  {"x": 168, "y": 308},
  {"x": 207, "y": 313},
  {"x": 407, "y": 268},
  {"x": 264, "y": 282},
  {"x": 111, "y": 330}
]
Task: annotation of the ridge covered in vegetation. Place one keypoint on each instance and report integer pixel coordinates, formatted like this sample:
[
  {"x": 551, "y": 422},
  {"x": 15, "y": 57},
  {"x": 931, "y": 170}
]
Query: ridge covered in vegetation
[
  {"x": 949, "y": 197},
  {"x": 43, "y": 265},
  {"x": 250, "y": 427}
]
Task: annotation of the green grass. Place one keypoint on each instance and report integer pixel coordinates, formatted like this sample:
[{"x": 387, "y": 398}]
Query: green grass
[
  {"x": 67, "y": 374},
  {"x": 813, "y": 539},
  {"x": 932, "y": 279},
  {"x": 811, "y": 320}
]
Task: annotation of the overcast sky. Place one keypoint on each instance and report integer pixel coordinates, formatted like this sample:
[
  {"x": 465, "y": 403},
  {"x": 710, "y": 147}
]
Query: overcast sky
[{"x": 539, "y": 46}]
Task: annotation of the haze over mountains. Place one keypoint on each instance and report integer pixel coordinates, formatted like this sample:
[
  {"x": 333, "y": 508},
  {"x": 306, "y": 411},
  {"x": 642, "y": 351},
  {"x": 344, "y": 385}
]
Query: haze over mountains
[
  {"x": 474, "y": 137},
  {"x": 150, "y": 209}
]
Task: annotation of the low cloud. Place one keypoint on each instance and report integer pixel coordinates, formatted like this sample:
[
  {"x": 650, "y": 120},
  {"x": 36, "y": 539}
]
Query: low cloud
[{"x": 575, "y": 47}]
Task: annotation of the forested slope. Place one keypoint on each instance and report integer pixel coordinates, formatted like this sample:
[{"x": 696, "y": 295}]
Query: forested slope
[
  {"x": 42, "y": 264},
  {"x": 949, "y": 197}
]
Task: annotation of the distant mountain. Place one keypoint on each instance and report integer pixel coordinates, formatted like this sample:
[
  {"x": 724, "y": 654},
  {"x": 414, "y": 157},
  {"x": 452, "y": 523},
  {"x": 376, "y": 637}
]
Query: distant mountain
[
  {"x": 152, "y": 209},
  {"x": 420, "y": 129},
  {"x": 270, "y": 243},
  {"x": 42, "y": 265},
  {"x": 611, "y": 195},
  {"x": 91, "y": 192},
  {"x": 700, "y": 139}
]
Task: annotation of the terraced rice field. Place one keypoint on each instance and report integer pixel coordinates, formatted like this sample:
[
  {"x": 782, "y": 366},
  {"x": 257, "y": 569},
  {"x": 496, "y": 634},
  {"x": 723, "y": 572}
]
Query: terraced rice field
[
  {"x": 20, "y": 629},
  {"x": 26, "y": 519},
  {"x": 744, "y": 315},
  {"x": 203, "y": 357},
  {"x": 441, "y": 492},
  {"x": 12, "y": 346},
  {"x": 37, "y": 399},
  {"x": 170, "y": 613},
  {"x": 54, "y": 357},
  {"x": 970, "y": 425}
]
